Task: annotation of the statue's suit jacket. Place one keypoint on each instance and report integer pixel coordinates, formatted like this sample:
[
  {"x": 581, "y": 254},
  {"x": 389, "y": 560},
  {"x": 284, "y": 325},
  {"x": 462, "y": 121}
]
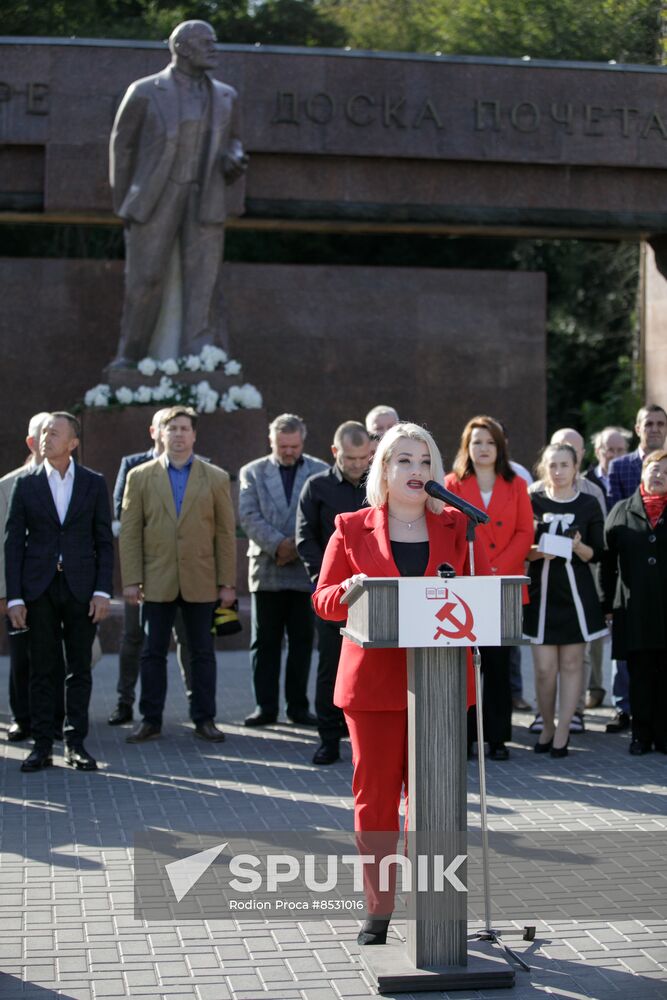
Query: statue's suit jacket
[
  {"x": 144, "y": 140},
  {"x": 193, "y": 554}
]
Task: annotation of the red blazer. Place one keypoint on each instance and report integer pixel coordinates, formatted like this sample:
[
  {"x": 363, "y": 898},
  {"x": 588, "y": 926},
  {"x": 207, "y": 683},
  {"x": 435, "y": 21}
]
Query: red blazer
[
  {"x": 375, "y": 680},
  {"x": 509, "y": 534}
]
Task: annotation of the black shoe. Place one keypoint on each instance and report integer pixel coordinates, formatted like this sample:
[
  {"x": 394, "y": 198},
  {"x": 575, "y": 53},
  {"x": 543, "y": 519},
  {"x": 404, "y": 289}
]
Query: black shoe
[
  {"x": 79, "y": 758},
  {"x": 37, "y": 759},
  {"x": 120, "y": 715},
  {"x": 374, "y": 931},
  {"x": 559, "y": 751},
  {"x": 618, "y": 724},
  {"x": 260, "y": 718},
  {"x": 303, "y": 719},
  {"x": 145, "y": 732},
  {"x": 209, "y": 731},
  {"x": 327, "y": 753},
  {"x": 543, "y": 747},
  {"x": 18, "y": 732},
  {"x": 498, "y": 751},
  {"x": 638, "y": 747}
]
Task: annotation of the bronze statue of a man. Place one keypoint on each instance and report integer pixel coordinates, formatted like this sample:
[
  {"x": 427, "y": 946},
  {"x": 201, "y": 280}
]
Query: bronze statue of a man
[{"x": 175, "y": 146}]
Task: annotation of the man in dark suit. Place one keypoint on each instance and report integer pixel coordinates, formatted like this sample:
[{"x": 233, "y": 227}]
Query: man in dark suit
[
  {"x": 133, "y": 636},
  {"x": 625, "y": 472},
  {"x": 175, "y": 145},
  {"x": 609, "y": 443},
  {"x": 339, "y": 490},
  {"x": 59, "y": 566},
  {"x": 19, "y": 652}
]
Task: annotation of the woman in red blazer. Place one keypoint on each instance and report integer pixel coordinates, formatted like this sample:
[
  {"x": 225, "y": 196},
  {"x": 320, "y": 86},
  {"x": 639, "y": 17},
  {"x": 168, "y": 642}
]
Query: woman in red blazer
[
  {"x": 483, "y": 476},
  {"x": 402, "y": 533}
]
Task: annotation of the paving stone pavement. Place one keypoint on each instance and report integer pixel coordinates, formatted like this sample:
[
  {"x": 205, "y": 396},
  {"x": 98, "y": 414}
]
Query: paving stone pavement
[{"x": 66, "y": 891}]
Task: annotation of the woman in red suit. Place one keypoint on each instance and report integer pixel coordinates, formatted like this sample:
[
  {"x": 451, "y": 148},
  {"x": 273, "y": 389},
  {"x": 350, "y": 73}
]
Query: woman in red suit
[
  {"x": 402, "y": 533},
  {"x": 483, "y": 476}
]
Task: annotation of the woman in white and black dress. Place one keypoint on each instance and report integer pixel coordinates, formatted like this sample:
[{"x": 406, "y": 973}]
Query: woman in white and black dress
[{"x": 564, "y": 610}]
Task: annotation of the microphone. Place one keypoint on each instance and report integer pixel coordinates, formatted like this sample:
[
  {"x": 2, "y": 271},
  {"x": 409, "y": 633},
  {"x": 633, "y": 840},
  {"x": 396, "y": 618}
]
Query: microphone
[{"x": 439, "y": 492}]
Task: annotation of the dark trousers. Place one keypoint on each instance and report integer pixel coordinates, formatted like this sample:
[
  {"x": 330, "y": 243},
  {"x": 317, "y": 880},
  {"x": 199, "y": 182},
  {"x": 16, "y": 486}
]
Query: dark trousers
[
  {"x": 57, "y": 617},
  {"x": 275, "y": 613},
  {"x": 158, "y": 619},
  {"x": 647, "y": 671},
  {"x": 130, "y": 652},
  {"x": 330, "y": 719},
  {"x": 19, "y": 677},
  {"x": 496, "y": 697},
  {"x": 516, "y": 680},
  {"x": 19, "y": 681}
]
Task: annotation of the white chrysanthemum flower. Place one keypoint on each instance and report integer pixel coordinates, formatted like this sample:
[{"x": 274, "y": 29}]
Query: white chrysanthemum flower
[
  {"x": 232, "y": 368},
  {"x": 192, "y": 363},
  {"x": 124, "y": 395},
  {"x": 98, "y": 396},
  {"x": 147, "y": 366},
  {"x": 227, "y": 403},
  {"x": 144, "y": 394},
  {"x": 169, "y": 366},
  {"x": 246, "y": 396},
  {"x": 211, "y": 353}
]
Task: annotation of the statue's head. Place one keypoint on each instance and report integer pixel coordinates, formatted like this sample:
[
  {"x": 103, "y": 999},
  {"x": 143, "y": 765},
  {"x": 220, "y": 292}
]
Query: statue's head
[{"x": 193, "y": 43}]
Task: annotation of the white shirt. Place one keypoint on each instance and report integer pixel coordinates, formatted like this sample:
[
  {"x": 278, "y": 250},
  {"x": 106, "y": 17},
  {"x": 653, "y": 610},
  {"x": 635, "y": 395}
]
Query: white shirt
[
  {"x": 61, "y": 487},
  {"x": 522, "y": 471},
  {"x": 602, "y": 476}
]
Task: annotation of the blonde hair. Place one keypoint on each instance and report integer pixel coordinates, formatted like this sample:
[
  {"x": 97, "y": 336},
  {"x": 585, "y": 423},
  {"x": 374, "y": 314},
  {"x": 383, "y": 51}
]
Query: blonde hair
[
  {"x": 542, "y": 468},
  {"x": 376, "y": 485}
]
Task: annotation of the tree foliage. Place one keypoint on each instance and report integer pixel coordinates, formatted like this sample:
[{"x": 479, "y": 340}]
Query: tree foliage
[
  {"x": 277, "y": 22},
  {"x": 597, "y": 30}
]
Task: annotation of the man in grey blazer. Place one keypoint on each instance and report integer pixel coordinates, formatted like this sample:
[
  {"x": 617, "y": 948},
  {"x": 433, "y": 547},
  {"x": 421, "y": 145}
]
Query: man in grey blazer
[
  {"x": 175, "y": 145},
  {"x": 279, "y": 584}
]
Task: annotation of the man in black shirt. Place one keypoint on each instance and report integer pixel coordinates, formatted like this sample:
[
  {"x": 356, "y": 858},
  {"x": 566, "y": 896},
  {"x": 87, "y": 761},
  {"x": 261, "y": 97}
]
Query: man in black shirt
[{"x": 339, "y": 490}]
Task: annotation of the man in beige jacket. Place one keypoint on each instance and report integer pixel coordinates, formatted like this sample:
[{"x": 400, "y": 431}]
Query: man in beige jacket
[{"x": 178, "y": 549}]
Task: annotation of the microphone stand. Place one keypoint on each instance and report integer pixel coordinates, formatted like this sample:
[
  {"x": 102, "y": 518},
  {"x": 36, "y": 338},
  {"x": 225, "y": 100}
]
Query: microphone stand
[{"x": 488, "y": 933}]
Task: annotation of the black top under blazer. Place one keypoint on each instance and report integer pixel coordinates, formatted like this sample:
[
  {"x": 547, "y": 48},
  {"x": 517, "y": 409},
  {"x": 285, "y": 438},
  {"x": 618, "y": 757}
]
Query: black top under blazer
[{"x": 35, "y": 539}]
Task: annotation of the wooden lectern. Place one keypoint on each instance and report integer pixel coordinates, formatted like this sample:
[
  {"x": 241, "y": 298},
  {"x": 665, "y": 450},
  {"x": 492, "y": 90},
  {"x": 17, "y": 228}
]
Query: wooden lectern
[{"x": 438, "y": 955}]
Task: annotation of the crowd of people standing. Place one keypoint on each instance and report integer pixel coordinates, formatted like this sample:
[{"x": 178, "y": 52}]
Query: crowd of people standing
[{"x": 592, "y": 544}]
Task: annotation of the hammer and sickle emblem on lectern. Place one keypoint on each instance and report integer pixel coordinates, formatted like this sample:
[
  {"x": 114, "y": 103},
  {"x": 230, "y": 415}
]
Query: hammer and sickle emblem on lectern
[{"x": 461, "y": 629}]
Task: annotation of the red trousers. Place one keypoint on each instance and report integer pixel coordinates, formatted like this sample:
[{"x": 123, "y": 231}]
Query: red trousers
[{"x": 380, "y": 758}]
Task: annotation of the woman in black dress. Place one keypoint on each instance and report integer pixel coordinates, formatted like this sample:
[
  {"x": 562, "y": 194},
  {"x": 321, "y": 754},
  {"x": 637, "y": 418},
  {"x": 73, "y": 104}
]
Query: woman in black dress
[{"x": 564, "y": 611}]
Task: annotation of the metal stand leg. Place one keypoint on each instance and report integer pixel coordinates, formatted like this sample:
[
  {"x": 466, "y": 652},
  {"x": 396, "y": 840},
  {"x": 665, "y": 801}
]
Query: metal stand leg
[{"x": 488, "y": 933}]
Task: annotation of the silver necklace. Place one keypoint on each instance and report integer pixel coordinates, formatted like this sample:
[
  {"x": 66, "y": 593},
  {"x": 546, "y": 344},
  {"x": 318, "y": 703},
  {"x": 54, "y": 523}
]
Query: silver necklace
[{"x": 409, "y": 523}]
